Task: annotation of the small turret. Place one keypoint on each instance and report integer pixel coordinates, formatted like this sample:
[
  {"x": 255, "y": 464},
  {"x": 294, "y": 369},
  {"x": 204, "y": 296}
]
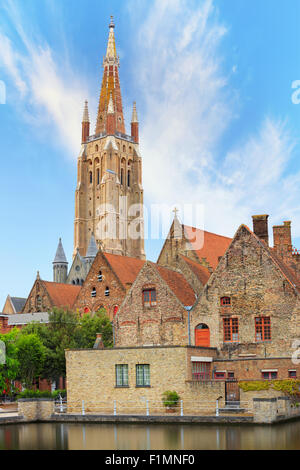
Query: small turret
[
  {"x": 85, "y": 125},
  {"x": 91, "y": 253},
  {"x": 60, "y": 265},
  {"x": 134, "y": 125}
]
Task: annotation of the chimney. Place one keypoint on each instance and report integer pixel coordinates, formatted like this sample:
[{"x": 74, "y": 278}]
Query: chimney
[
  {"x": 282, "y": 238},
  {"x": 260, "y": 227},
  {"x": 98, "y": 343}
]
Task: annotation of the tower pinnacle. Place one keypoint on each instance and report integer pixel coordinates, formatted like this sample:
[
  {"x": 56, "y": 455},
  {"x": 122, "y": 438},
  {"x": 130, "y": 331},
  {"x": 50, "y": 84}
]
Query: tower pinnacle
[
  {"x": 110, "y": 88},
  {"x": 85, "y": 125}
]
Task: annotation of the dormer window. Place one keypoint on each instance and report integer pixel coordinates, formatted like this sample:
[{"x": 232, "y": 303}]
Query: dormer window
[
  {"x": 94, "y": 292},
  {"x": 225, "y": 301},
  {"x": 107, "y": 291},
  {"x": 100, "y": 277},
  {"x": 149, "y": 297}
]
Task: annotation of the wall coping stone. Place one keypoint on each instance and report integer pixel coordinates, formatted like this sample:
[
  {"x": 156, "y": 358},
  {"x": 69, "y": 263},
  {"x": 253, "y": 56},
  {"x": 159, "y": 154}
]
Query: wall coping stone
[
  {"x": 145, "y": 347},
  {"x": 35, "y": 399},
  {"x": 265, "y": 399}
]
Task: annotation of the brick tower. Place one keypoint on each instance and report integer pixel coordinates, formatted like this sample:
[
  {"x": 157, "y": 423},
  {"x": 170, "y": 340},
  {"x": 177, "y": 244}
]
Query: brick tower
[{"x": 109, "y": 193}]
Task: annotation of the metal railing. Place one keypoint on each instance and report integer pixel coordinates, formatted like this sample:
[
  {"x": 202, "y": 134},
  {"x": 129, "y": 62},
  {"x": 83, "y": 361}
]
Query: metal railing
[{"x": 150, "y": 408}]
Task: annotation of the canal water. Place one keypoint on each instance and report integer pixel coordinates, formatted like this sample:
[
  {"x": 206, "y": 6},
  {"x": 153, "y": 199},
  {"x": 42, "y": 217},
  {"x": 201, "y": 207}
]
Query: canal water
[{"x": 77, "y": 436}]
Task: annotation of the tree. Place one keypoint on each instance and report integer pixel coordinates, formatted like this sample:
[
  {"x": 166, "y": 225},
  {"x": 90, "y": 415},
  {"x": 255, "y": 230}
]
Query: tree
[
  {"x": 89, "y": 326},
  {"x": 31, "y": 356},
  {"x": 9, "y": 366}
]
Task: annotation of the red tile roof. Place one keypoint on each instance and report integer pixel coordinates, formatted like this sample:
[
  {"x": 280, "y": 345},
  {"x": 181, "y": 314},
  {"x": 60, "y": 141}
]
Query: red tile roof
[
  {"x": 207, "y": 245},
  {"x": 201, "y": 272},
  {"x": 125, "y": 267},
  {"x": 178, "y": 284},
  {"x": 62, "y": 295}
]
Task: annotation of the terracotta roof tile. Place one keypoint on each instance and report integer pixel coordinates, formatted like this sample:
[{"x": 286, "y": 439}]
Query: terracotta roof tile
[
  {"x": 125, "y": 267},
  {"x": 207, "y": 245},
  {"x": 200, "y": 271},
  {"x": 178, "y": 284},
  {"x": 62, "y": 295}
]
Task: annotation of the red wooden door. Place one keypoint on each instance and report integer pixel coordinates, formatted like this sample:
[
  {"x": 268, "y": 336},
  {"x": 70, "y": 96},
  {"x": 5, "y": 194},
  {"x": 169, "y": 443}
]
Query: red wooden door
[{"x": 202, "y": 337}]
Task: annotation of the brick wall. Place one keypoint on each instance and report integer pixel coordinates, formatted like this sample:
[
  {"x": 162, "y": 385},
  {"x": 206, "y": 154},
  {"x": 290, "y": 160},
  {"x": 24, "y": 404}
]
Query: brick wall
[
  {"x": 163, "y": 324},
  {"x": 116, "y": 291},
  {"x": 256, "y": 287}
]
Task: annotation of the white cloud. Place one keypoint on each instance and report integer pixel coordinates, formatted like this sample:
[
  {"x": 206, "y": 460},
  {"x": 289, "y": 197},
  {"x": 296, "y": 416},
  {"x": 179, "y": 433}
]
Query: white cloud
[
  {"x": 51, "y": 95},
  {"x": 189, "y": 104}
]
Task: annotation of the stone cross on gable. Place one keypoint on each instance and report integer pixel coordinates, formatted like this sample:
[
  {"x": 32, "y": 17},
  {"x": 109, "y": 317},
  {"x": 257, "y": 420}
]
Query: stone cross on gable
[{"x": 175, "y": 211}]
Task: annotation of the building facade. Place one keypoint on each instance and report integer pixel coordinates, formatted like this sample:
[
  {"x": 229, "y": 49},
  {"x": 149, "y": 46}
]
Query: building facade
[{"x": 109, "y": 192}]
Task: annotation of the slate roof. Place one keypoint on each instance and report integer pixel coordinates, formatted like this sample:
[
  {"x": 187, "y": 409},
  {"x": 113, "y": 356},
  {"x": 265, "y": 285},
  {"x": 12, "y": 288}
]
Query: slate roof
[
  {"x": 60, "y": 256},
  {"x": 206, "y": 244},
  {"x": 25, "y": 318},
  {"x": 18, "y": 303},
  {"x": 92, "y": 248}
]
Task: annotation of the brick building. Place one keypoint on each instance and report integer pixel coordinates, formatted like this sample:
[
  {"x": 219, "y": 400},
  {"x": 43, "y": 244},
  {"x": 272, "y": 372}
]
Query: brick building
[
  {"x": 13, "y": 305},
  {"x": 45, "y": 295},
  {"x": 249, "y": 309},
  {"x": 155, "y": 309},
  {"x": 107, "y": 283}
]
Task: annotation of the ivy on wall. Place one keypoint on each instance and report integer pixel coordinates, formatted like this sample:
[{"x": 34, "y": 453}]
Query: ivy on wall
[{"x": 289, "y": 387}]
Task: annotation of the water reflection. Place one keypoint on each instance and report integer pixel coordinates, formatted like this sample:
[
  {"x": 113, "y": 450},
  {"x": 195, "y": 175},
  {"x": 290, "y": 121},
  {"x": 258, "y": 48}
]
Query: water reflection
[{"x": 89, "y": 436}]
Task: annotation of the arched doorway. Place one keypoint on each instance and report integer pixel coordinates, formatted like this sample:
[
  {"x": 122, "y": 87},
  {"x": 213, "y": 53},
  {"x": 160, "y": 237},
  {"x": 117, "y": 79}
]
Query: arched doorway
[{"x": 202, "y": 335}]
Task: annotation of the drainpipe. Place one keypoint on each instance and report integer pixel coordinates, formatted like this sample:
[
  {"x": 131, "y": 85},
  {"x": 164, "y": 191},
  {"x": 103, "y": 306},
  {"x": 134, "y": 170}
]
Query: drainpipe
[
  {"x": 189, "y": 324},
  {"x": 113, "y": 328}
]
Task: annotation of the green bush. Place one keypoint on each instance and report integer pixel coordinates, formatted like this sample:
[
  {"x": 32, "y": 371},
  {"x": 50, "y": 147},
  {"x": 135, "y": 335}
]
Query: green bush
[
  {"x": 41, "y": 394},
  {"x": 170, "y": 399}
]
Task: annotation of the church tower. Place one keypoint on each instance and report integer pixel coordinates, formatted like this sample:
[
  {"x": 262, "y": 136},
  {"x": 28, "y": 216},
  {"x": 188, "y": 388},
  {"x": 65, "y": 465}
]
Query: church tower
[{"x": 109, "y": 192}]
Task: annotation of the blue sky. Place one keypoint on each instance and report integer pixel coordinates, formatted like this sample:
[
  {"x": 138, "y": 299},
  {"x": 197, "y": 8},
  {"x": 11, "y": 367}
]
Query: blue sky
[{"x": 213, "y": 85}]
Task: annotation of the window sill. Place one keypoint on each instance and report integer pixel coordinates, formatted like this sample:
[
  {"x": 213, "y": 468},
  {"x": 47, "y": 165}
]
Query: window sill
[
  {"x": 121, "y": 386},
  {"x": 143, "y": 386}
]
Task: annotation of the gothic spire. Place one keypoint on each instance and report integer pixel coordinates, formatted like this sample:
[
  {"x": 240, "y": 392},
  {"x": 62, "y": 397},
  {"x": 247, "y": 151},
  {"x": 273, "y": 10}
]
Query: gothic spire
[
  {"x": 110, "y": 87},
  {"x": 60, "y": 256},
  {"x": 92, "y": 248}
]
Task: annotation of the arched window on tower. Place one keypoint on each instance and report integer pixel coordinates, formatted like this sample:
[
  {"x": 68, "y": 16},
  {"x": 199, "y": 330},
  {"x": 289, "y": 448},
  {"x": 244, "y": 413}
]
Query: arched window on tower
[
  {"x": 91, "y": 177},
  {"x": 122, "y": 176},
  {"x": 107, "y": 291},
  {"x": 128, "y": 178},
  {"x": 98, "y": 176}
]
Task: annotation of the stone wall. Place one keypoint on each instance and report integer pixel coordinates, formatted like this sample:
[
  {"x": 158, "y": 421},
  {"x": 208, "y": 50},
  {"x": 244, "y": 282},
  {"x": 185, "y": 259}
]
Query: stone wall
[
  {"x": 91, "y": 377},
  {"x": 162, "y": 324},
  {"x": 36, "y": 409}
]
